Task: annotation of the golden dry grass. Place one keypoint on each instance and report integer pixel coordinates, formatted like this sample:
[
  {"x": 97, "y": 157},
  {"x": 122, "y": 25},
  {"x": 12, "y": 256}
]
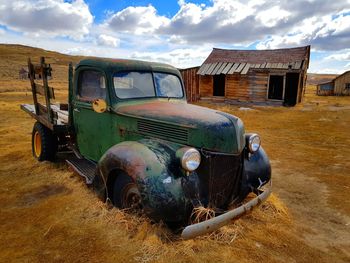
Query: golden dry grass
[{"x": 47, "y": 214}]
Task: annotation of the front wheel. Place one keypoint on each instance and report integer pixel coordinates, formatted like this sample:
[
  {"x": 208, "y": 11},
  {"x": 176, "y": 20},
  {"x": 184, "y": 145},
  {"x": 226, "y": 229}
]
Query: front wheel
[
  {"x": 44, "y": 143},
  {"x": 125, "y": 193}
]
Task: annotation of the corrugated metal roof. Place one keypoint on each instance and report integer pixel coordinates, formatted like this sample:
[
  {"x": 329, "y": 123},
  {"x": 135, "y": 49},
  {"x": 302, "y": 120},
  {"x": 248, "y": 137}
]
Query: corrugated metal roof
[{"x": 226, "y": 61}]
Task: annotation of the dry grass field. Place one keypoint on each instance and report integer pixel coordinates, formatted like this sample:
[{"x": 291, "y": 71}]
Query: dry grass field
[{"x": 47, "y": 214}]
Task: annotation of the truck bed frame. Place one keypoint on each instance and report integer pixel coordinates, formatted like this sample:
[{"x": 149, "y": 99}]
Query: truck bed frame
[{"x": 53, "y": 116}]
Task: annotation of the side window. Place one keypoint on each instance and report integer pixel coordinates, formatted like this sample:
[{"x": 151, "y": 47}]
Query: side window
[{"x": 92, "y": 85}]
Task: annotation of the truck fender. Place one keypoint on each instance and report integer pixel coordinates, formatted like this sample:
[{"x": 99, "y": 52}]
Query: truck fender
[
  {"x": 153, "y": 166},
  {"x": 257, "y": 172}
]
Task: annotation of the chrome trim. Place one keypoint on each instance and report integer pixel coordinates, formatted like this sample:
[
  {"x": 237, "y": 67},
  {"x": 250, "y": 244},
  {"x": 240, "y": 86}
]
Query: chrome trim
[{"x": 215, "y": 223}]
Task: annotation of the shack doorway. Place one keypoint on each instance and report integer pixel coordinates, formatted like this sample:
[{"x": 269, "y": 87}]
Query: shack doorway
[
  {"x": 291, "y": 91},
  {"x": 276, "y": 87},
  {"x": 219, "y": 85}
]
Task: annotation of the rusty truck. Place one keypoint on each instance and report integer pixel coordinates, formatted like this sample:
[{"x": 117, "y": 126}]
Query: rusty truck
[{"x": 137, "y": 141}]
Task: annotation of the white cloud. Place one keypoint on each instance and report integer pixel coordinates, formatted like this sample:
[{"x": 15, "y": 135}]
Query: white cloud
[
  {"x": 138, "y": 20},
  {"x": 328, "y": 32},
  {"x": 343, "y": 56},
  {"x": 272, "y": 16},
  {"x": 241, "y": 22},
  {"x": 107, "y": 40},
  {"x": 181, "y": 58},
  {"x": 47, "y": 17}
]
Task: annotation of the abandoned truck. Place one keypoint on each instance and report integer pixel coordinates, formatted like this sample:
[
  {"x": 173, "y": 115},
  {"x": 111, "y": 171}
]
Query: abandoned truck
[{"x": 142, "y": 146}]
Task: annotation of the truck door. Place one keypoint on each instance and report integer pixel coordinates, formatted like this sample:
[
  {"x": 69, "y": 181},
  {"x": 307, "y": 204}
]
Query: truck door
[{"x": 92, "y": 128}]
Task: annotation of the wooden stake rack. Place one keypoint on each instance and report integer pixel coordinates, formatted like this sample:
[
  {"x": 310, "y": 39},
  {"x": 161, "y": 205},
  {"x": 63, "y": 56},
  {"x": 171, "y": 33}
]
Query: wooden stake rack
[{"x": 42, "y": 71}]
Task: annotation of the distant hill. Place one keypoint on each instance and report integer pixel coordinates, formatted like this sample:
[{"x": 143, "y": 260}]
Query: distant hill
[
  {"x": 314, "y": 79},
  {"x": 14, "y": 57}
]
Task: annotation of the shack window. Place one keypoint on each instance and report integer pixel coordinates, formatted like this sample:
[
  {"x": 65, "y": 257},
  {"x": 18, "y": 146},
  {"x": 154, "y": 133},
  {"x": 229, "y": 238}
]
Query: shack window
[
  {"x": 92, "y": 85},
  {"x": 347, "y": 85},
  {"x": 276, "y": 87}
]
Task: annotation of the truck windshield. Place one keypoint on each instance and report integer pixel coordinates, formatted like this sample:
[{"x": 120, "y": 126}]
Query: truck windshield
[{"x": 133, "y": 84}]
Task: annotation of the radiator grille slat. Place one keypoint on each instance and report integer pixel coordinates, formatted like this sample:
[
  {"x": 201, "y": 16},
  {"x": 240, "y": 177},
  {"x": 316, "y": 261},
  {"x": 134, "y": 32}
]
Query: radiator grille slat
[{"x": 163, "y": 131}]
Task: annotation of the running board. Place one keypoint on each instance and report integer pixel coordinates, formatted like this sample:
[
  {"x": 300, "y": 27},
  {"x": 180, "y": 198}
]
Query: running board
[{"x": 83, "y": 167}]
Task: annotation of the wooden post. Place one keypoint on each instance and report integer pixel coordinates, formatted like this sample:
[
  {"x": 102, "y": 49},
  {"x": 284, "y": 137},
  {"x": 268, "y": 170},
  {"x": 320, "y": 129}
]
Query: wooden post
[
  {"x": 32, "y": 83},
  {"x": 44, "y": 71}
]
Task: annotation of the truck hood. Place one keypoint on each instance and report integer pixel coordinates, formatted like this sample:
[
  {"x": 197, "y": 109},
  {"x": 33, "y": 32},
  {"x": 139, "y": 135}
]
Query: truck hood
[{"x": 187, "y": 124}]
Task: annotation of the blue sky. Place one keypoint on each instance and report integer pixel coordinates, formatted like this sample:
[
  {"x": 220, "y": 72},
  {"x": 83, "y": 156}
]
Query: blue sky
[{"x": 181, "y": 33}]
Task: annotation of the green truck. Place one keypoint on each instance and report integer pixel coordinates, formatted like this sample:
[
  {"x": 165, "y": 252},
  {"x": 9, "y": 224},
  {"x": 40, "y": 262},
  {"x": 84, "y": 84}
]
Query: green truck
[{"x": 141, "y": 146}]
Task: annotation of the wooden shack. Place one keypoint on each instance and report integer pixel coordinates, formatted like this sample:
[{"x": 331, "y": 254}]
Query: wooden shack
[
  {"x": 266, "y": 77},
  {"x": 23, "y": 73},
  {"x": 342, "y": 84},
  {"x": 325, "y": 89}
]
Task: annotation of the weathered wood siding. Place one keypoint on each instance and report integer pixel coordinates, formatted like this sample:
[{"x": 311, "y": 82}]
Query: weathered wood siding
[
  {"x": 191, "y": 83},
  {"x": 340, "y": 84},
  {"x": 251, "y": 87},
  {"x": 206, "y": 86},
  {"x": 258, "y": 82}
]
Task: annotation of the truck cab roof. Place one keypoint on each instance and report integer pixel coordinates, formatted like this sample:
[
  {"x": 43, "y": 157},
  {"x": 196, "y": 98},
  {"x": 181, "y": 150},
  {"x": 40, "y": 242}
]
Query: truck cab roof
[{"x": 115, "y": 65}]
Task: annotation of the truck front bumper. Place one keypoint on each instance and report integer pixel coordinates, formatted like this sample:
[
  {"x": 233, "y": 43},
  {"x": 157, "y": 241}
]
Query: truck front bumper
[{"x": 215, "y": 223}]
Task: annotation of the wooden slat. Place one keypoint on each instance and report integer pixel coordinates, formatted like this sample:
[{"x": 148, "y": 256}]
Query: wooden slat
[
  {"x": 210, "y": 72},
  {"x": 233, "y": 68},
  {"x": 297, "y": 65},
  {"x": 218, "y": 66},
  {"x": 40, "y": 89},
  {"x": 240, "y": 67},
  {"x": 285, "y": 66},
  {"x": 37, "y": 69},
  {"x": 268, "y": 65},
  {"x": 210, "y": 69},
  {"x": 31, "y": 73},
  {"x": 280, "y": 65},
  {"x": 227, "y": 68},
  {"x": 203, "y": 69},
  {"x": 43, "y": 111},
  {"x": 245, "y": 69},
  {"x": 219, "y": 71}
]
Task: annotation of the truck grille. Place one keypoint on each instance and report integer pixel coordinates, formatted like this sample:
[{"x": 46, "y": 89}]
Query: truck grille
[
  {"x": 220, "y": 177},
  {"x": 163, "y": 131}
]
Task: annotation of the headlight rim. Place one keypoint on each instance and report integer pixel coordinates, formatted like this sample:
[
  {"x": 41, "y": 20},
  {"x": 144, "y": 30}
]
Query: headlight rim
[
  {"x": 187, "y": 152},
  {"x": 250, "y": 138}
]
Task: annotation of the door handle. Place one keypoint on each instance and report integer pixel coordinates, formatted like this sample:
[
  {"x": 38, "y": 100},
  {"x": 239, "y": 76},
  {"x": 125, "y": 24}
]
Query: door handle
[{"x": 76, "y": 110}]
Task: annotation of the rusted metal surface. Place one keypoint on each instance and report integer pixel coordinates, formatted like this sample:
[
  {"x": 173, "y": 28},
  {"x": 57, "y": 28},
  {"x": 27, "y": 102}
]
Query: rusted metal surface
[
  {"x": 215, "y": 223},
  {"x": 151, "y": 165},
  {"x": 222, "y": 133}
]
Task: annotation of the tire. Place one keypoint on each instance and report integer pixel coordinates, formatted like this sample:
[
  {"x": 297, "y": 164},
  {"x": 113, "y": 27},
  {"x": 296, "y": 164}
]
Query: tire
[
  {"x": 44, "y": 143},
  {"x": 125, "y": 193}
]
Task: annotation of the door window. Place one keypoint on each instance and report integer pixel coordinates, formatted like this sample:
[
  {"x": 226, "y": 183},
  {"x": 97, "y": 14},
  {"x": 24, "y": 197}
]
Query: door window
[{"x": 92, "y": 85}]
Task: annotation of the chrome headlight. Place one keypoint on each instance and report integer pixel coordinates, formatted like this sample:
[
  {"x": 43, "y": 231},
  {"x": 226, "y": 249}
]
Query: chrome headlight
[
  {"x": 253, "y": 142},
  {"x": 190, "y": 158}
]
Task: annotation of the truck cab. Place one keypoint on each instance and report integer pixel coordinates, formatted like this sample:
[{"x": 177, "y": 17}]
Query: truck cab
[{"x": 146, "y": 148}]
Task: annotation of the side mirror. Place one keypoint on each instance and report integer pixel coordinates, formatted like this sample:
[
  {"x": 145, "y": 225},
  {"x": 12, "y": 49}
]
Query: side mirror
[{"x": 99, "y": 105}]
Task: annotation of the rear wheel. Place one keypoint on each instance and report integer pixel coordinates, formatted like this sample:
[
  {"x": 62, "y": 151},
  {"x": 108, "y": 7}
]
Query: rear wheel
[
  {"x": 125, "y": 193},
  {"x": 44, "y": 143}
]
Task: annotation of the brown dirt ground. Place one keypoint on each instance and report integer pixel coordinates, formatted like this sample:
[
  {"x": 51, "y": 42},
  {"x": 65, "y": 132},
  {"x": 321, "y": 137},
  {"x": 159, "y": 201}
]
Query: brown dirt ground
[{"x": 47, "y": 214}]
